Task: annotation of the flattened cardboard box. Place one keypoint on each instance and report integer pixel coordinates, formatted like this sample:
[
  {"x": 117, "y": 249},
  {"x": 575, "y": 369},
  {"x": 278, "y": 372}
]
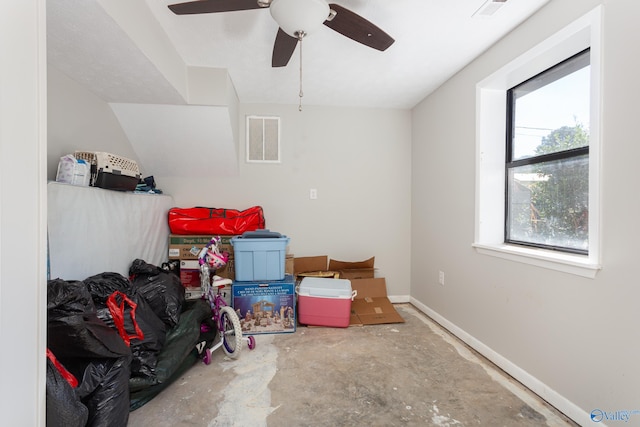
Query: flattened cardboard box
[{"x": 372, "y": 306}]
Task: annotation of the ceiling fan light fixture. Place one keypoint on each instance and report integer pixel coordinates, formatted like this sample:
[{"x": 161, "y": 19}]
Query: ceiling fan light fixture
[{"x": 295, "y": 16}]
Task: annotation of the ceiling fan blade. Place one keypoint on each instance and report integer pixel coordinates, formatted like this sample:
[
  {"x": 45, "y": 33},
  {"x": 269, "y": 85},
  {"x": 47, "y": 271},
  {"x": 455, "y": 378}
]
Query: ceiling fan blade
[
  {"x": 283, "y": 49},
  {"x": 357, "y": 28},
  {"x": 212, "y": 6}
]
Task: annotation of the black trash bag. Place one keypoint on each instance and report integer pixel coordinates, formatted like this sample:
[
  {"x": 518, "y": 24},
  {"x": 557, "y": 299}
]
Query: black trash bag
[
  {"x": 144, "y": 363},
  {"x": 104, "y": 389},
  {"x": 101, "y": 286},
  {"x": 64, "y": 408},
  {"x": 154, "y": 332},
  {"x": 163, "y": 290},
  {"x": 183, "y": 348},
  {"x": 91, "y": 351},
  {"x": 172, "y": 266},
  {"x": 73, "y": 327}
]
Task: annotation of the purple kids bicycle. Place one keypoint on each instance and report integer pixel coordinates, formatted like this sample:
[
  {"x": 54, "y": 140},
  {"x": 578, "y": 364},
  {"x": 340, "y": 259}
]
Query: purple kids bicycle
[{"x": 223, "y": 316}]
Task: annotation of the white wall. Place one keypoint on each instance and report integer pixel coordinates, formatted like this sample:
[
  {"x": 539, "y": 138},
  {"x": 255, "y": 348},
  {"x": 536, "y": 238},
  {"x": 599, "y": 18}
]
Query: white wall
[
  {"x": 357, "y": 160},
  {"x": 573, "y": 340},
  {"x": 23, "y": 202},
  {"x": 79, "y": 120}
]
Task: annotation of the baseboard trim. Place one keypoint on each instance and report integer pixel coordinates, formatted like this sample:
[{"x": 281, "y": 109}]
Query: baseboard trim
[
  {"x": 554, "y": 398},
  {"x": 399, "y": 299}
]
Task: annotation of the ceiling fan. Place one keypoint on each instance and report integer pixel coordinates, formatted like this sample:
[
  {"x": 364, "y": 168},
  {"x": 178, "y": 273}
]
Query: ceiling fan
[{"x": 297, "y": 19}]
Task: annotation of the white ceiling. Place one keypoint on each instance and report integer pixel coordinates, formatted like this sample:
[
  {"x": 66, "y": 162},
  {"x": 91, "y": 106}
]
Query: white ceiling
[
  {"x": 434, "y": 40},
  {"x": 86, "y": 44}
]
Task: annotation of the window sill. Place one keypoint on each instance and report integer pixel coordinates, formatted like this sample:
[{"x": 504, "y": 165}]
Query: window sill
[{"x": 579, "y": 265}]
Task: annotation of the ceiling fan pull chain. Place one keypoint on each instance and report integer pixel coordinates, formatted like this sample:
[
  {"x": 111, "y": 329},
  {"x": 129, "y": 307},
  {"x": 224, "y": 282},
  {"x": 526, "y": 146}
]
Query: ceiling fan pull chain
[{"x": 300, "y": 94}]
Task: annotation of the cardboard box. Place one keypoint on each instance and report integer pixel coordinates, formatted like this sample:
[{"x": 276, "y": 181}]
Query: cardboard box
[
  {"x": 371, "y": 305},
  {"x": 265, "y": 307},
  {"x": 192, "y": 293},
  {"x": 310, "y": 264},
  {"x": 189, "y": 264},
  {"x": 197, "y": 293},
  {"x": 353, "y": 270},
  {"x": 322, "y": 266},
  {"x": 288, "y": 264},
  {"x": 190, "y": 277},
  {"x": 188, "y": 247},
  {"x": 190, "y": 273},
  {"x": 228, "y": 272}
]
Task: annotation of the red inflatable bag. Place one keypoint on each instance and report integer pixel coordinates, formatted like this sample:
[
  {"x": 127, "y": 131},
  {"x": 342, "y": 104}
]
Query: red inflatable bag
[{"x": 215, "y": 221}]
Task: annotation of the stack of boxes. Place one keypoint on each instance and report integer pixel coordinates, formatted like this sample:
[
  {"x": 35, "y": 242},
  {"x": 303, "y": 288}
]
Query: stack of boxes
[
  {"x": 263, "y": 292},
  {"x": 185, "y": 250},
  {"x": 331, "y": 293},
  {"x": 264, "y": 278}
]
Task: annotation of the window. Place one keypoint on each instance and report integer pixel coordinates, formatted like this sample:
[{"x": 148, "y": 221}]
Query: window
[
  {"x": 263, "y": 139},
  {"x": 526, "y": 169},
  {"x": 547, "y": 158}
]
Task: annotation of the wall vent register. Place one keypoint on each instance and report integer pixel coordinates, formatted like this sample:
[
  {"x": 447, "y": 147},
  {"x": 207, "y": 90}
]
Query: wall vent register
[{"x": 263, "y": 139}]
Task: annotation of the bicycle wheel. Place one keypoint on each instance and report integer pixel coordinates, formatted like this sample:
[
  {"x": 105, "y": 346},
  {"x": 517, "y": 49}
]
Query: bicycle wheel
[
  {"x": 251, "y": 342},
  {"x": 231, "y": 332}
]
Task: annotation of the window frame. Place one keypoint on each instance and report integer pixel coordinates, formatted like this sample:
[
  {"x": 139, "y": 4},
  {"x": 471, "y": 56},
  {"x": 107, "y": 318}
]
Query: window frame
[
  {"x": 583, "y": 33},
  {"x": 542, "y": 79}
]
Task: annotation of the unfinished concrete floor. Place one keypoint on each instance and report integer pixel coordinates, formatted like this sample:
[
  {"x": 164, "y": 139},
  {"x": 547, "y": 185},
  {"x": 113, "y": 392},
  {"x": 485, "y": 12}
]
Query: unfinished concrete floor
[{"x": 408, "y": 374}]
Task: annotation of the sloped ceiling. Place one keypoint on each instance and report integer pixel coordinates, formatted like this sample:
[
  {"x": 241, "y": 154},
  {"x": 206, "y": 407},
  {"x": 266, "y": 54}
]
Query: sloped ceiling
[
  {"x": 152, "y": 105},
  {"x": 176, "y": 139},
  {"x": 86, "y": 44}
]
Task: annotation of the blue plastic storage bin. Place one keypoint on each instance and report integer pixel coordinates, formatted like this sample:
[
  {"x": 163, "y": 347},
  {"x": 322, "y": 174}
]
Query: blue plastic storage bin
[{"x": 259, "y": 255}]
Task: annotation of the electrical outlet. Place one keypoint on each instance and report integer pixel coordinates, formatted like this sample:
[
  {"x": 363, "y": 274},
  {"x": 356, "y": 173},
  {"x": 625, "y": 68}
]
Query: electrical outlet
[
  {"x": 441, "y": 277},
  {"x": 313, "y": 193}
]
